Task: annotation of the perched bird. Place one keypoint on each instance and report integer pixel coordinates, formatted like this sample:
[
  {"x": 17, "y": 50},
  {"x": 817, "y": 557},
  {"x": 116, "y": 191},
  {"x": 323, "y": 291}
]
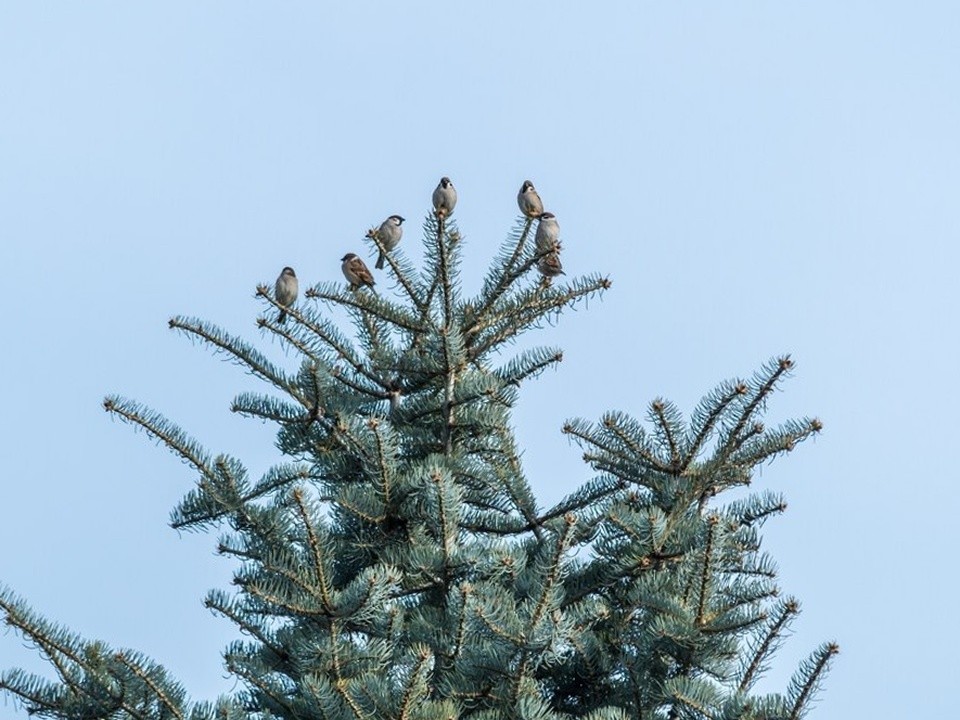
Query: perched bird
[
  {"x": 548, "y": 233},
  {"x": 529, "y": 201},
  {"x": 550, "y": 266},
  {"x": 356, "y": 271},
  {"x": 389, "y": 234},
  {"x": 286, "y": 291},
  {"x": 444, "y": 198}
]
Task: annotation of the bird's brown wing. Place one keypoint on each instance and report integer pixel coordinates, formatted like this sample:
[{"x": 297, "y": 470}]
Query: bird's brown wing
[{"x": 359, "y": 268}]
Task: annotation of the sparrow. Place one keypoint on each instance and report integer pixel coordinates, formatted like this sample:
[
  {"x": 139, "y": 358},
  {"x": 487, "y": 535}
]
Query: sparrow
[
  {"x": 549, "y": 265},
  {"x": 529, "y": 201},
  {"x": 356, "y": 271},
  {"x": 389, "y": 234},
  {"x": 286, "y": 291},
  {"x": 548, "y": 233},
  {"x": 444, "y": 198}
]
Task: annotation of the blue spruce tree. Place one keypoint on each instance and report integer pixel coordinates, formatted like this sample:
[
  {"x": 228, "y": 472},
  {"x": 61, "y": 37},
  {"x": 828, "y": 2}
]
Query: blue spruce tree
[{"x": 397, "y": 564}]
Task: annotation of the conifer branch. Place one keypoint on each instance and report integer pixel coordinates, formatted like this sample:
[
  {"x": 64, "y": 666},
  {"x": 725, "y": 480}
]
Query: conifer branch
[
  {"x": 256, "y": 680},
  {"x": 525, "y": 312},
  {"x": 170, "y": 435},
  {"x": 756, "y": 430},
  {"x": 498, "y": 630},
  {"x": 614, "y": 423},
  {"x": 775, "y": 371},
  {"x": 666, "y": 426},
  {"x": 217, "y": 603},
  {"x": 447, "y": 528},
  {"x": 288, "y": 335},
  {"x": 732, "y": 624},
  {"x": 712, "y": 523},
  {"x": 51, "y": 649},
  {"x": 462, "y": 400},
  {"x": 548, "y": 582},
  {"x": 291, "y": 576},
  {"x": 526, "y": 509},
  {"x": 369, "y": 301},
  {"x": 787, "y": 611},
  {"x": 357, "y": 387},
  {"x": 750, "y": 514},
  {"x": 408, "y": 286},
  {"x": 699, "y": 708},
  {"x": 504, "y": 277},
  {"x": 434, "y": 230},
  {"x": 236, "y": 348},
  {"x": 372, "y": 332},
  {"x": 149, "y": 682},
  {"x": 65, "y": 659},
  {"x": 250, "y": 586},
  {"x": 416, "y": 678},
  {"x": 461, "y": 633},
  {"x": 266, "y": 408},
  {"x": 450, "y": 371},
  {"x": 710, "y": 422},
  {"x": 326, "y": 596},
  {"x": 384, "y": 462},
  {"x": 349, "y": 440},
  {"x": 36, "y": 703},
  {"x": 372, "y": 518},
  {"x": 516, "y": 375},
  {"x": 580, "y": 502},
  {"x": 589, "y": 436},
  {"x": 781, "y": 440},
  {"x": 809, "y": 676},
  {"x": 340, "y": 684},
  {"x": 330, "y": 336}
]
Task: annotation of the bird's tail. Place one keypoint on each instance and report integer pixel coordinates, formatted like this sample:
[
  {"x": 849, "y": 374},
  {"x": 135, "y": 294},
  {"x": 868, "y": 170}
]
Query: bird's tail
[
  {"x": 379, "y": 265},
  {"x": 282, "y": 317}
]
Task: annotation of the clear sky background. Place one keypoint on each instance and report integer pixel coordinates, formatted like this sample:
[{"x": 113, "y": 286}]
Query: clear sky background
[{"x": 757, "y": 178}]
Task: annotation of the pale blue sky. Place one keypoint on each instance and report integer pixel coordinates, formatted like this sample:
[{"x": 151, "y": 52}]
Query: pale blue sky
[{"x": 756, "y": 177}]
